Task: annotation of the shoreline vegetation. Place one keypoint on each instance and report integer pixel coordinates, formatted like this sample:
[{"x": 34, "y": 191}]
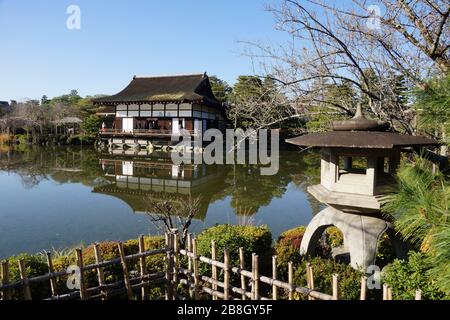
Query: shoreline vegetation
[
  {"x": 403, "y": 277},
  {"x": 48, "y": 139}
]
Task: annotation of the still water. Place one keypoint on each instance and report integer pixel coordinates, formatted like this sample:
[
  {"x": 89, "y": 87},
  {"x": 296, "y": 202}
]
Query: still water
[{"x": 63, "y": 197}]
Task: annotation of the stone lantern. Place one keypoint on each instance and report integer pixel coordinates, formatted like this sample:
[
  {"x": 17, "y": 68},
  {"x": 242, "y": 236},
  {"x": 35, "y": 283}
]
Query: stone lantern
[{"x": 358, "y": 161}]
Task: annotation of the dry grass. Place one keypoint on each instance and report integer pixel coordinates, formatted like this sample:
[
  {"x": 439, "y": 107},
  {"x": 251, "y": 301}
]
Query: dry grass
[{"x": 4, "y": 138}]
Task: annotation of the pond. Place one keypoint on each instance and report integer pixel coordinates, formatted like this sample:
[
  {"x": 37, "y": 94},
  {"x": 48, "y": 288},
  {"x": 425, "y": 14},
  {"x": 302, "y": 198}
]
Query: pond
[{"x": 61, "y": 197}]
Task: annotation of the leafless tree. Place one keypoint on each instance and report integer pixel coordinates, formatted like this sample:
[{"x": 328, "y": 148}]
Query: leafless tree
[
  {"x": 172, "y": 214},
  {"x": 335, "y": 43}
]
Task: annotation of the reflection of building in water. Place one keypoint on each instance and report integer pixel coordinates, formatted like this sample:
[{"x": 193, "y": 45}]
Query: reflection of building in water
[{"x": 139, "y": 181}]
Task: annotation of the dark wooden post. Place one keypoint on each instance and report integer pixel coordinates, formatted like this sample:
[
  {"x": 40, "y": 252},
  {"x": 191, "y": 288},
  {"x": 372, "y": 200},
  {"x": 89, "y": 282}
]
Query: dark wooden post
[
  {"x": 5, "y": 279},
  {"x": 50, "y": 271},
  {"x": 196, "y": 270},
  {"x": 143, "y": 268},
  {"x": 100, "y": 273},
  {"x": 80, "y": 264},
  {"x": 24, "y": 278},
  {"x": 176, "y": 260},
  {"x": 126, "y": 276},
  {"x": 169, "y": 266}
]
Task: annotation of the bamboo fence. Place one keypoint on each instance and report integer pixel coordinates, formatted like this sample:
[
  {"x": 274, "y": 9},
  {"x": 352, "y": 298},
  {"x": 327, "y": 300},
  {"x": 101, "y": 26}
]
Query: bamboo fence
[{"x": 182, "y": 267}]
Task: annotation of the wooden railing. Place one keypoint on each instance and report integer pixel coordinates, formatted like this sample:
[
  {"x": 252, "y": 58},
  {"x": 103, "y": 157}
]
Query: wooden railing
[
  {"x": 182, "y": 266},
  {"x": 142, "y": 132}
]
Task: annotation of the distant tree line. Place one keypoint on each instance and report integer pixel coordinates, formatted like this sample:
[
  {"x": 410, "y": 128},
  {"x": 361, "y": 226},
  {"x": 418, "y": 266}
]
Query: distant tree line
[{"x": 38, "y": 118}]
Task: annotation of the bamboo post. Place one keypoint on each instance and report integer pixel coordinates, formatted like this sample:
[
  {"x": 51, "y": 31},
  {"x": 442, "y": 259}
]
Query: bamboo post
[
  {"x": 335, "y": 286},
  {"x": 418, "y": 294},
  {"x": 126, "y": 277},
  {"x": 213, "y": 267},
  {"x": 169, "y": 266},
  {"x": 189, "y": 249},
  {"x": 389, "y": 293},
  {"x": 274, "y": 277},
  {"x": 100, "y": 273},
  {"x": 363, "y": 288},
  {"x": 385, "y": 291},
  {"x": 50, "y": 270},
  {"x": 226, "y": 276},
  {"x": 309, "y": 278},
  {"x": 80, "y": 264},
  {"x": 176, "y": 259},
  {"x": 5, "y": 279},
  {"x": 242, "y": 266},
  {"x": 24, "y": 278},
  {"x": 291, "y": 280},
  {"x": 255, "y": 269},
  {"x": 143, "y": 268},
  {"x": 196, "y": 271}
]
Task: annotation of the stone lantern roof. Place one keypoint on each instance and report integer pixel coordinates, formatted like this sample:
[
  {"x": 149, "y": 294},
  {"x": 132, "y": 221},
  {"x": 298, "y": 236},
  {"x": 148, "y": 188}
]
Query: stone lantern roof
[{"x": 360, "y": 132}]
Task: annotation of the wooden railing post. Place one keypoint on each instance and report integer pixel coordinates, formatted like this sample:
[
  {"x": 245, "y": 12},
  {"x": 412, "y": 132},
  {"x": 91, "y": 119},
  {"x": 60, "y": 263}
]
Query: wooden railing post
[
  {"x": 335, "y": 286},
  {"x": 5, "y": 279},
  {"x": 274, "y": 277},
  {"x": 176, "y": 261},
  {"x": 418, "y": 294},
  {"x": 100, "y": 273},
  {"x": 169, "y": 266},
  {"x": 80, "y": 264},
  {"x": 385, "y": 291},
  {"x": 291, "y": 280},
  {"x": 214, "y": 268},
  {"x": 310, "y": 278},
  {"x": 50, "y": 271},
  {"x": 242, "y": 266},
  {"x": 363, "y": 288},
  {"x": 126, "y": 276},
  {"x": 255, "y": 273},
  {"x": 389, "y": 293},
  {"x": 190, "y": 269},
  {"x": 226, "y": 275},
  {"x": 24, "y": 278},
  {"x": 196, "y": 270},
  {"x": 143, "y": 268}
]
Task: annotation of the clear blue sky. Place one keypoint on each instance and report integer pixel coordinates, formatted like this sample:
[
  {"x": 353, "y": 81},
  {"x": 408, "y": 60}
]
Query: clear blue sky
[{"x": 118, "y": 39}]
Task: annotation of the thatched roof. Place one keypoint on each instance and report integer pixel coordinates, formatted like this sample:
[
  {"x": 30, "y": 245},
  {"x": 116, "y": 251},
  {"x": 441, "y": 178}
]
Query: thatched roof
[{"x": 164, "y": 89}]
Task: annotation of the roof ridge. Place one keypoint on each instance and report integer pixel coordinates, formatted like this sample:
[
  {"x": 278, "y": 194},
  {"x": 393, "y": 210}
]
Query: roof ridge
[{"x": 169, "y": 75}]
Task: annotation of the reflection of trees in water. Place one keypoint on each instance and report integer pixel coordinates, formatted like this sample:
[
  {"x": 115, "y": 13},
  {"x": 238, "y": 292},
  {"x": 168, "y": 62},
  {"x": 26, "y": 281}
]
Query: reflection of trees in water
[
  {"x": 250, "y": 190},
  {"x": 309, "y": 161},
  {"x": 61, "y": 164},
  {"x": 244, "y": 184}
]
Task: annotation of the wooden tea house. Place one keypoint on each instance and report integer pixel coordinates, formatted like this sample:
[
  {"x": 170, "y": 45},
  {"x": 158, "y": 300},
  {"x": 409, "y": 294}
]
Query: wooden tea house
[{"x": 150, "y": 110}]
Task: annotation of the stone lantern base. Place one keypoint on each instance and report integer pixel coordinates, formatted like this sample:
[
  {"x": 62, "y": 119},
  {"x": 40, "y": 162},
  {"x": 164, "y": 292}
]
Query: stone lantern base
[{"x": 361, "y": 235}]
